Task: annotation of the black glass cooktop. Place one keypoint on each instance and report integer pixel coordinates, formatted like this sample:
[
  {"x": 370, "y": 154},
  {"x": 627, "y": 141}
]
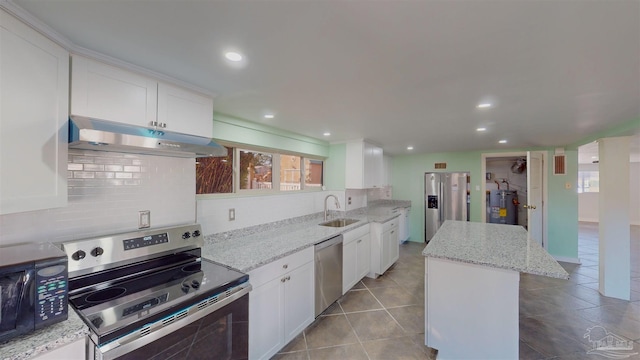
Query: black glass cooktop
[{"x": 113, "y": 310}]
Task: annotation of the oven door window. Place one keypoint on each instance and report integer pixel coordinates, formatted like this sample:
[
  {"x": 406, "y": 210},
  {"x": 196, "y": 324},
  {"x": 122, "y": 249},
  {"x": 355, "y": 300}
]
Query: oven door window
[
  {"x": 11, "y": 285},
  {"x": 223, "y": 334}
]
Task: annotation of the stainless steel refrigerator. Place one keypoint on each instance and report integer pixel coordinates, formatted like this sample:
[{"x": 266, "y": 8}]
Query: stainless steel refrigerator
[{"x": 446, "y": 197}]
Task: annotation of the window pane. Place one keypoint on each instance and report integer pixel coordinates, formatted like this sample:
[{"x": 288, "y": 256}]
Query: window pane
[
  {"x": 312, "y": 173},
  {"x": 255, "y": 170},
  {"x": 289, "y": 172},
  {"x": 588, "y": 181},
  {"x": 214, "y": 175}
]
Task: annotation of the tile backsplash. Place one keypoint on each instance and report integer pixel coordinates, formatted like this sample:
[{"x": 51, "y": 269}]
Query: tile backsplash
[{"x": 106, "y": 191}]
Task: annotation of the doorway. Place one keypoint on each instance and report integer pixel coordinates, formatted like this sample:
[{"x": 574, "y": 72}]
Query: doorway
[
  {"x": 524, "y": 175},
  {"x": 506, "y": 190}
]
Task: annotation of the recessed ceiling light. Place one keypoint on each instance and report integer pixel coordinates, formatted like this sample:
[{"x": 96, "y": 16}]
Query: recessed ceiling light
[
  {"x": 269, "y": 116},
  {"x": 502, "y": 141},
  {"x": 484, "y": 105},
  {"x": 409, "y": 147},
  {"x": 481, "y": 129},
  {"x": 233, "y": 56},
  {"x": 327, "y": 134}
]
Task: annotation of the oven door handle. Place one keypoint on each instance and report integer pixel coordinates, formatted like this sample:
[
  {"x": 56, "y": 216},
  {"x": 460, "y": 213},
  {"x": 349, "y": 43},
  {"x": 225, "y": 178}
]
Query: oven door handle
[{"x": 154, "y": 331}]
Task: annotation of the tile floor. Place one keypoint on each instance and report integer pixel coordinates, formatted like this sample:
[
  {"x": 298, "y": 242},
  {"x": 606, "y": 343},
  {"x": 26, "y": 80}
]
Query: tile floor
[{"x": 384, "y": 318}]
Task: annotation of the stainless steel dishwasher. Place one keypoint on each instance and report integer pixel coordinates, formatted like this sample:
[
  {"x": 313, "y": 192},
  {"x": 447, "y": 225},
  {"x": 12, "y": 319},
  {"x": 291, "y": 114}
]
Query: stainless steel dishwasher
[{"x": 328, "y": 262}]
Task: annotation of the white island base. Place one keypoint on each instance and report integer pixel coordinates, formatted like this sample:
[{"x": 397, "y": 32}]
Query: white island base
[{"x": 471, "y": 310}]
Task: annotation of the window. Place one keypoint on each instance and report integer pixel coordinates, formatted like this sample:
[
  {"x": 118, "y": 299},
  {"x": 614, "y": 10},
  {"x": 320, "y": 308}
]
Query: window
[
  {"x": 247, "y": 170},
  {"x": 290, "y": 172},
  {"x": 214, "y": 175},
  {"x": 255, "y": 170},
  {"x": 313, "y": 174},
  {"x": 588, "y": 181}
]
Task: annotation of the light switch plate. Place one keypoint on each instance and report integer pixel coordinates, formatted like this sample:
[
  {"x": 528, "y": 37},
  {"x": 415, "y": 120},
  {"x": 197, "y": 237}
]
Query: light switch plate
[{"x": 144, "y": 219}]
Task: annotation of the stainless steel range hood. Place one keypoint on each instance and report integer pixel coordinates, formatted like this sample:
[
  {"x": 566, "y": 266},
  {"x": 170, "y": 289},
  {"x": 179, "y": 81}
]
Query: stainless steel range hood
[{"x": 95, "y": 134}]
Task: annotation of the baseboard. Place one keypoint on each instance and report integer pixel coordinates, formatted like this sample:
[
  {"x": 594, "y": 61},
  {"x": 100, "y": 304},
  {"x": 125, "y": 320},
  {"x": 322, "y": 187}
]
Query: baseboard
[
  {"x": 593, "y": 220},
  {"x": 634, "y": 223},
  {"x": 567, "y": 259}
]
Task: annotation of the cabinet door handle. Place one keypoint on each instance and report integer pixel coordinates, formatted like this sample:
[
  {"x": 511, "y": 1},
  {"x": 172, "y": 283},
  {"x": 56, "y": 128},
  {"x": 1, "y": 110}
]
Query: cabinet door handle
[
  {"x": 283, "y": 280},
  {"x": 392, "y": 232},
  {"x": 285, "y": 266},
  {"x": 359, "y": 241},
  {"x": 288, "y": 277}
]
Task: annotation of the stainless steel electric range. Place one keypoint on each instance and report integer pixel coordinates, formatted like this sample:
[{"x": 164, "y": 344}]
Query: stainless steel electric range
[{"x": 149, "y": 295}]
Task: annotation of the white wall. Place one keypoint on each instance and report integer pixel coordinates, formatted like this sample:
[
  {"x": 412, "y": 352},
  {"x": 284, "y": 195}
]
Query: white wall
[
  {"x": 106, "y": 191},
  {"x": 588, "y": 202},
  {"x": 213, "y": 213}
]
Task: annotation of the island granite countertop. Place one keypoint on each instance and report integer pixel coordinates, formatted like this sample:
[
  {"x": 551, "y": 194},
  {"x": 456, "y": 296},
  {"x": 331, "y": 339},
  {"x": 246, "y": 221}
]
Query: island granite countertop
[
  {"x": 494, "y": 245},
  {"x": 249, "y": 248},
  {"x": 46, "y": 339}
]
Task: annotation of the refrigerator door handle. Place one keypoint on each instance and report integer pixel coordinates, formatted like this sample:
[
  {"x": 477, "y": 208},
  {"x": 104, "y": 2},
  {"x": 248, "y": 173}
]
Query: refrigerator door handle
[{"x": 441, "y": 202}]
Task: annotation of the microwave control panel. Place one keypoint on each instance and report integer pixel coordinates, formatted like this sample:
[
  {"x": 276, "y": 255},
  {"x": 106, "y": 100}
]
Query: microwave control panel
[{"x": 51, "y": 293}]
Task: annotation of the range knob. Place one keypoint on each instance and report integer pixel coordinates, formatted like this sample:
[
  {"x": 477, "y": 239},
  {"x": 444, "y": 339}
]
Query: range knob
[
  {"x": 78, "y": 255},
  {"x": 185, "y": 288},
  {"x": 196, "y": 233},
  {"x": 186, "y": 235},
  {"x": 195, "y": 284},
  {"x": 97, "y": 251}
]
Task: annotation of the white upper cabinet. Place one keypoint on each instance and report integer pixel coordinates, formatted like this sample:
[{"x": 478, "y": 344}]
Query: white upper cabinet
[
  {"x": 185, "y": 111},
  {"x": 386, "y": 170},
  {"x": 363, "y": 165},
  {"x": 106, "y": 92},
  {"x": 111, "y": 93},
  {"x": 34, "y": 98}
]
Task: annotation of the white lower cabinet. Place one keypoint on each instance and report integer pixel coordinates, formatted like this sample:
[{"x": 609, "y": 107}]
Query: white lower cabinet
[
  {"x": 72, "y": 351},
  {"x": 281, "y": 303},
  {"x": 385, "y": 249},
  {"x": 356, "y": 257}
]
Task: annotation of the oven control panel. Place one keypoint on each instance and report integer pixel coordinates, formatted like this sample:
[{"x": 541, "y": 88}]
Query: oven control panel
[
  {"x": 94, "y": 254},
  {"x": 144, "y": 241}
]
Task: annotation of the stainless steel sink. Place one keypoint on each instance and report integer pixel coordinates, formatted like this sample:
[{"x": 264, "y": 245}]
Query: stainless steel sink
[{"x": 339, "y": 222}]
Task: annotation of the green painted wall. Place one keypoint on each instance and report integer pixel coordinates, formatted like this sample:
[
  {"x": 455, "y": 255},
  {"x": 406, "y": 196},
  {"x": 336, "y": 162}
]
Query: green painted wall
[
  {"x": 562, "y": 221},
  {"x": 562, "y": 208},
  {"x": 335, "y": 166},
  {"x": 237, "y": 131},
  {"x": 408, "y": 183}
]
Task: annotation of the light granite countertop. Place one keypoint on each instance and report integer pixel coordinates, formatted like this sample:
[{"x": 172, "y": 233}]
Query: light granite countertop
[
  {"x": 494, "y": 245},
  {"x": 244, "y": 249},
  {"x": 249, "y": 248},
  {"x": 46, "y": 339}
]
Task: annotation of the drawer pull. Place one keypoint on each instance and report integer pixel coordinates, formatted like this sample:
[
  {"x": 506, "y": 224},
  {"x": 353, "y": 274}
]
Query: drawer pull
[
  {"x": 359, "y": 241},
  {"x": 288, "y": 277},
  {"x": 283, "y": 280},
  {"x": 285, "y": 266}
]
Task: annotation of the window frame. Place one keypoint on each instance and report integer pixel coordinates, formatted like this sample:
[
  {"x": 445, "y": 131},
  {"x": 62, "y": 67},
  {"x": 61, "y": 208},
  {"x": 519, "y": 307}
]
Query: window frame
[
  {"x": 582, "y": 178},
  {"x": 275, "y": 173}
]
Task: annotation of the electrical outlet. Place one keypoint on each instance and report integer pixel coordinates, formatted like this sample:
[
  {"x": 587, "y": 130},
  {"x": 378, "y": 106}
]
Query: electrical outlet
[
  {"x": 144, "y": 219},
  {"x": 349, "y": 200},
  {"x": 232, "y": 214}
]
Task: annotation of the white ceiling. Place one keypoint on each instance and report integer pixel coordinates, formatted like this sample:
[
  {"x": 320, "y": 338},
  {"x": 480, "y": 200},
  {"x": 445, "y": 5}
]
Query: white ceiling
[{"x": 396, "y": 72}]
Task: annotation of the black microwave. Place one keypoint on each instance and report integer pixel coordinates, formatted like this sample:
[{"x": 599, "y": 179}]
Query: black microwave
[{"x": 33, "y": 288}]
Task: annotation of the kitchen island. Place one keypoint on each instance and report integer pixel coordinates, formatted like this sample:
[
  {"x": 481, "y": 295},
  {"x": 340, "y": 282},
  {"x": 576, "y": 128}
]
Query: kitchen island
[{"x": 472, "y": 275}]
